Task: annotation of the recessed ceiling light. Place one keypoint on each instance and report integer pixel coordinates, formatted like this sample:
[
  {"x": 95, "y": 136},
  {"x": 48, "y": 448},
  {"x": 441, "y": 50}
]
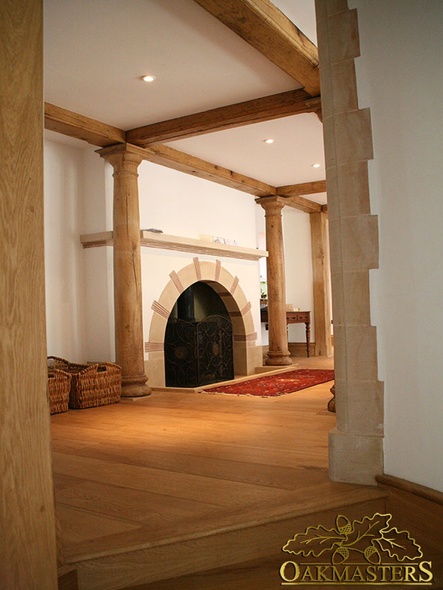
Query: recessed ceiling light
[
  {"x": 315, "y": 165},
  {"x": 269, "y": 140},
  {"x": 148, "y": 78}
]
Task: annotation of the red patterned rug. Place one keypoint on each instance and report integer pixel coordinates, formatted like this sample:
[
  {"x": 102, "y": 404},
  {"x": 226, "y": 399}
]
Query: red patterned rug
[{"x": 274, "y": 385}]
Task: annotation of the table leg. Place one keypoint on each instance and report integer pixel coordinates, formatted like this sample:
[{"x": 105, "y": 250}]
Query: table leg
[{"x": 308, "y": 337}]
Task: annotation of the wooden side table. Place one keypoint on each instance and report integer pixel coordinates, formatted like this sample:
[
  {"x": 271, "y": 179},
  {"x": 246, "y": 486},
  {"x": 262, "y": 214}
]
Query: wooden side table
[{"x": 293, "y": 317}]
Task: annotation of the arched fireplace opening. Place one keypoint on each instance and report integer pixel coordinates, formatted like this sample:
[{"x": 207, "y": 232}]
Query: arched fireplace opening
[{"x": 198, "y": 339}]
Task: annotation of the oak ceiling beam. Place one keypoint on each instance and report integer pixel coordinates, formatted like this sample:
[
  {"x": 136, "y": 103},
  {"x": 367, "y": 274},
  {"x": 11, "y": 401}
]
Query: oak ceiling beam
[
  {"x": 177, "y": 160},
  {"x": 306, "y": 188},
  {"x": 183, "y": 162},
  {"x": 302, "y": 204},
  {"x": 81, "y": 127},
  {"x": 244, "y": 113},
  {"x": 268, "y": 30}
]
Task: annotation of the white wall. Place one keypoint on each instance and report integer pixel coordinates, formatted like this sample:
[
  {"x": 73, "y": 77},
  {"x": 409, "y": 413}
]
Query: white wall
[
  {"x": 184, "y": 205},
  {"x": 399, "y": 78},
  {"x": 64, "y": 268},
  {"x": 79, "y": 300},
  {"x": 298, "y": 267}
]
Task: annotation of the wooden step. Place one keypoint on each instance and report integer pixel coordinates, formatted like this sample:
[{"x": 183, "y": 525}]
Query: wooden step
[
  {"x": 260, "y": 572},
  {"x": 218, "y": 554}
]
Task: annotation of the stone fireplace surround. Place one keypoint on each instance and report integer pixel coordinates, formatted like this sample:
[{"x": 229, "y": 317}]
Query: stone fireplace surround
[{"x": 247, "y": 354}]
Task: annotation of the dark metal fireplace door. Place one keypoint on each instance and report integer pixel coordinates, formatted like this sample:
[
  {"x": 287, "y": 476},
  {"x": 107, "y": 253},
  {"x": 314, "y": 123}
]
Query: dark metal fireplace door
[{"x": 198, "y": 353}]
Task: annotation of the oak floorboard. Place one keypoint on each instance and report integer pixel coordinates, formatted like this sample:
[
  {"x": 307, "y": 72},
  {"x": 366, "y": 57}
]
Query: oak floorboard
[
  {"x": 261, "y": 474},
  {"x": 299, "y": 457},
  {"x": 131, "y": 505},
  {"x": 159, "y": 481},
  {"x": 82, "y": 525}
]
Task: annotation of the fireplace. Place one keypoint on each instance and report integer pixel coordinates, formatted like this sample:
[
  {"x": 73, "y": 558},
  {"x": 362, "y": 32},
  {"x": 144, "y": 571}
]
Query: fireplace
[
  {"x": 198, "y": 339},
  {"x": 215, "y": 292}
]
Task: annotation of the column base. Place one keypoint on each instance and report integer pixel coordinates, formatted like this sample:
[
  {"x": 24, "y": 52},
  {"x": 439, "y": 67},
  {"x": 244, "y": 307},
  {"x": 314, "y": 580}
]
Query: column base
[
  {"x": 135, "y": 387},
  {"x": 355, "y": 458},
  {"x": 277, "y": 359}
]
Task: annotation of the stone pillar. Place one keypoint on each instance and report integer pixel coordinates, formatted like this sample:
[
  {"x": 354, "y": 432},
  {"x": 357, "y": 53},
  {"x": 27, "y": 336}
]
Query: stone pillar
[
  {"x": 278, "y": 353},
  {"x": 127, "y": 270},
  {"x": 356, "y": 444}
]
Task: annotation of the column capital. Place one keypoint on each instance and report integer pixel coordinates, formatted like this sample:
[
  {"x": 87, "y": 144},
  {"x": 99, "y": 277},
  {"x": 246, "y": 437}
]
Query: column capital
[
  {"x": 121, "y": 152},
  {"x": 271, "y": 201}
]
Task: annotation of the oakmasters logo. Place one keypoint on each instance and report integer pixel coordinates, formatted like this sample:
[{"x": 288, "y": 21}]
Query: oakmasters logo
[{"x": 361, "y": 552}]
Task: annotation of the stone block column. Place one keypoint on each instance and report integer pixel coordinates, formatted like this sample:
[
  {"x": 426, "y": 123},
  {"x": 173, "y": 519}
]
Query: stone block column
[
  {"x": 356, "y": 444},
  {"x": 127, "y": 269},
  {"x": 278, "y": 353}
]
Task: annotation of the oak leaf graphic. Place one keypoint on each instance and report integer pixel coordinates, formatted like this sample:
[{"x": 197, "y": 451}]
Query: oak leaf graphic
[
  {"x": 314, "y": 541},
  {"x": 399, "y": 545}
]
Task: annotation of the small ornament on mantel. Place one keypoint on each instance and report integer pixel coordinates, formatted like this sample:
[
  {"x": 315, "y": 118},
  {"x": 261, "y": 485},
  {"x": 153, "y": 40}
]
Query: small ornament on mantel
[{"x": 154, "y": 230}]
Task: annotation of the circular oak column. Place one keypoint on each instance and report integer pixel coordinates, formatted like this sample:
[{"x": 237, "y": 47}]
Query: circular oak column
[
  {"x": 127, "y": 270},
  {"x": 278, "y": 353}
]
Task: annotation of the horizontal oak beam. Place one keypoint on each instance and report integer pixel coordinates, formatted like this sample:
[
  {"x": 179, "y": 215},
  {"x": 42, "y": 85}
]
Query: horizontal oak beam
[
  {"x": 267, "y": 108},
  {"x": 303, "y": 204},
  {"x": 306, "y": 188},
  {"x": 268, "y": 30},
  {"x": 177, "y": 160},
  {"x": 183, "y": 162},
  {"x": 81, "y": 127}
]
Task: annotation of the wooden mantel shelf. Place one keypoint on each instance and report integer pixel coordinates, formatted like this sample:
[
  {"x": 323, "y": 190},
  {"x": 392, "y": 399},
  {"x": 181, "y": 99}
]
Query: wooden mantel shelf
[{"x": 166, "y": 242}]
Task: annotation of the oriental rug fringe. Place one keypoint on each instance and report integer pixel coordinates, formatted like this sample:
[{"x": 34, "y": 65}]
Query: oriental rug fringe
[{"x": 277, "y": 384}]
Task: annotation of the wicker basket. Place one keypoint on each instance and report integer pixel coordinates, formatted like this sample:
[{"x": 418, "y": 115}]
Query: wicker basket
[
  {"x": 59, "y": 385},
  {"x": 93, "y": 385}
]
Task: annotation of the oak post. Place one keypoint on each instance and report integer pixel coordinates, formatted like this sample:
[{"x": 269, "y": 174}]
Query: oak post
[
  {"x": 27, "y": 519},
  {"x": 320, "y": 274},
  {"x": 278, "y": 353},
  {"x": 127, "y": 270}
]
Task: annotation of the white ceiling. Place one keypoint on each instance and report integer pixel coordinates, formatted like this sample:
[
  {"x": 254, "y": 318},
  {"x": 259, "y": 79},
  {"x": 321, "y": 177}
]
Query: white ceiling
[{"x": 97, "y": 50}]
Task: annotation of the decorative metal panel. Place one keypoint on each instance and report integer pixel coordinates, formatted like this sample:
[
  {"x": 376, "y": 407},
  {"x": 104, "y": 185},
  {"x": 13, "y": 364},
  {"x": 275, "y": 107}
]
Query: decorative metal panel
[{"x": 198, "y": 353}]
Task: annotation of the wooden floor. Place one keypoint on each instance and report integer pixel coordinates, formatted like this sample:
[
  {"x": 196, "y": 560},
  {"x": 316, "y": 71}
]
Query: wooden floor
[{"x": 180, "y": 483}]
